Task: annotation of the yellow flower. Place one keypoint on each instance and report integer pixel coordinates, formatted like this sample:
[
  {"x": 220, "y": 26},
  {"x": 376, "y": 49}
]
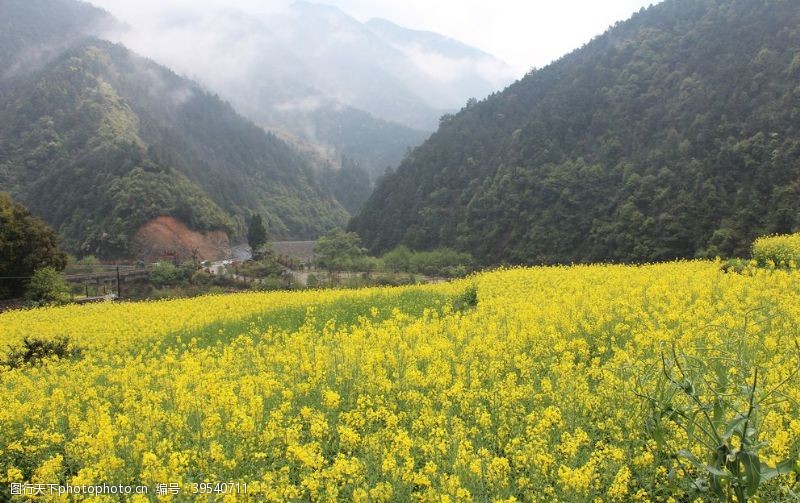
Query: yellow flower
[
  {"x": 349, "y": 439},
  {"x": 331, "y": 399},
  {"x": 619, "y": 487},
  {"x": 381, "y": 493},
  {"x": 532, "y": 392},
  {"x": 14, "y": 475},
  {"x": 498, "y": 472}
]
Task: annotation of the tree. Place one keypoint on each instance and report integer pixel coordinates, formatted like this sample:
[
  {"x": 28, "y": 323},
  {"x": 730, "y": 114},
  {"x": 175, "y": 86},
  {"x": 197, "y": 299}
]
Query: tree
[
  {"x": 26, "y": 245},
  {"x": 256, "y": 234},
  {"x": 339, "y": 251},
  {"x": 47, "y": 287}
]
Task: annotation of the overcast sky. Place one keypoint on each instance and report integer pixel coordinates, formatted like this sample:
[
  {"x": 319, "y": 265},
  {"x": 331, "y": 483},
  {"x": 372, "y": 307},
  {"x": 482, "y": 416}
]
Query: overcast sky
[{"x": 524, "y": 33}]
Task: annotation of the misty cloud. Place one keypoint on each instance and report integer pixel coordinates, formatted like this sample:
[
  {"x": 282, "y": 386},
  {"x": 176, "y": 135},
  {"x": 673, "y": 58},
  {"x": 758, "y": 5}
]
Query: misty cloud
[
  {"x": 283, "y": 57},
  {"x": 449, "y": 70},
  {"x": 308, "y": 104}
]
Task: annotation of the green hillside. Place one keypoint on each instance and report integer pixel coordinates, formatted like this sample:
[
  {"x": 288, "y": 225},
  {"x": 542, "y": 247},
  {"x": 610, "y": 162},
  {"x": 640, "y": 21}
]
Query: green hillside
[
  {"x": 101, "y": 141},
  {"x": 674, "y": 134},
  {"x": 97, "y": 141}
]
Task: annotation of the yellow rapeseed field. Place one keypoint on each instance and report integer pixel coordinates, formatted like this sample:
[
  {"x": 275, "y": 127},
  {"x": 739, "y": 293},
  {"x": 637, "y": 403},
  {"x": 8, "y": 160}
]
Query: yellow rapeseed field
[{"x": 542, "y": 392}]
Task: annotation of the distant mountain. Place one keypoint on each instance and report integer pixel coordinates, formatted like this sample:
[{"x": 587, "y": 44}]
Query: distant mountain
[
  {"x": 100, "y": 141},
  {"x": 674, "y": 134},
  {"x": 375, "y": 145},
  {"x": 315, "y": 72},
  {"x": 340, "y": 130},
  {"x": 352, "y": 65},
  {"x": 32, "y": 32}
]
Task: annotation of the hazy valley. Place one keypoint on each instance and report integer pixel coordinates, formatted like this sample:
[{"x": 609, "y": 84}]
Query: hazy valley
[{"x": 98, "y": 141}]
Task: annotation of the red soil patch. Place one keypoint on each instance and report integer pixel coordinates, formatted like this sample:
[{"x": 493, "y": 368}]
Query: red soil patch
[{"x": 167, "y": 235}]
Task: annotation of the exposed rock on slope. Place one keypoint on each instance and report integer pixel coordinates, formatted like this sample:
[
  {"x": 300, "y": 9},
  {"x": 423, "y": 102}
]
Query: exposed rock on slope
[{"x": 167, "y": 235}]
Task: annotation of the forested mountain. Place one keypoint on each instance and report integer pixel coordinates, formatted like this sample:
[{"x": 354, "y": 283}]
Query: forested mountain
[
  {"x": 100, "y": 141},
  {"x": 674, "y": 134}
]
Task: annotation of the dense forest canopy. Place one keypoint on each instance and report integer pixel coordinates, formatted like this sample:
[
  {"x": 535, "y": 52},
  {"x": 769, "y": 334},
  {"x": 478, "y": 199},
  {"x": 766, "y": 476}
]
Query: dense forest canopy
[
  {"x": 674, "y": 134},
  {"x": 101, "y": 141}
]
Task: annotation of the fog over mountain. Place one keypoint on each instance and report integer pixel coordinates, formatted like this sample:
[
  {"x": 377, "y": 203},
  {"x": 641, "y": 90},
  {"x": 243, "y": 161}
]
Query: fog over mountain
[
  {"x": 366, "y": 91},
  {"x": 26, "y": 46},
  {"x": 458, "y": 69}
]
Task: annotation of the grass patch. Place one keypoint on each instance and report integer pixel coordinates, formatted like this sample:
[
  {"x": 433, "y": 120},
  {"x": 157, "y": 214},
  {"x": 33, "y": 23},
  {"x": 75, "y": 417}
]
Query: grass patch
[{"x": 341, "y": 312}]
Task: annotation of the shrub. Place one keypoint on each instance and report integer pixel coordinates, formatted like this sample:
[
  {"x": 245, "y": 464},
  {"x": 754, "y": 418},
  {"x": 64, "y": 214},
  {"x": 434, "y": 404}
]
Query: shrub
[
  {"x": 367, "y": 264},
  {"x": 467, "y": 299},
  {"x": 392, "y": 281},
  {"x": 89, "y": 263},
  {"x": 264, "y": 268},
  {"x": 273, "y": 283},
  {"x": 47, "y": 287},
  {"x": 166, "y": 274},
  {"x": 35, "y": 351},
  {"x": 201, "y": 278},
  {"x": 780, "y": 251},
  {"x": 439, "y": 262},
  {"x": 736, "y": 265},
  {"x": 456, "y": 271},
  {"x": 398, "y": 259}
]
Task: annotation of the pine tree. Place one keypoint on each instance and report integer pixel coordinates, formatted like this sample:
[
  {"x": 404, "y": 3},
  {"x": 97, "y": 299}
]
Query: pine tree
[{"x": 256, "y": 234}]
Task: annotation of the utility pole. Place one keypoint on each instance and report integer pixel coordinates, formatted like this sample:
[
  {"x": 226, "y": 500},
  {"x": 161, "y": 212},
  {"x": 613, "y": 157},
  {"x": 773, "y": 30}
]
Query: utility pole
[{"x": 119, "y": 285}]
